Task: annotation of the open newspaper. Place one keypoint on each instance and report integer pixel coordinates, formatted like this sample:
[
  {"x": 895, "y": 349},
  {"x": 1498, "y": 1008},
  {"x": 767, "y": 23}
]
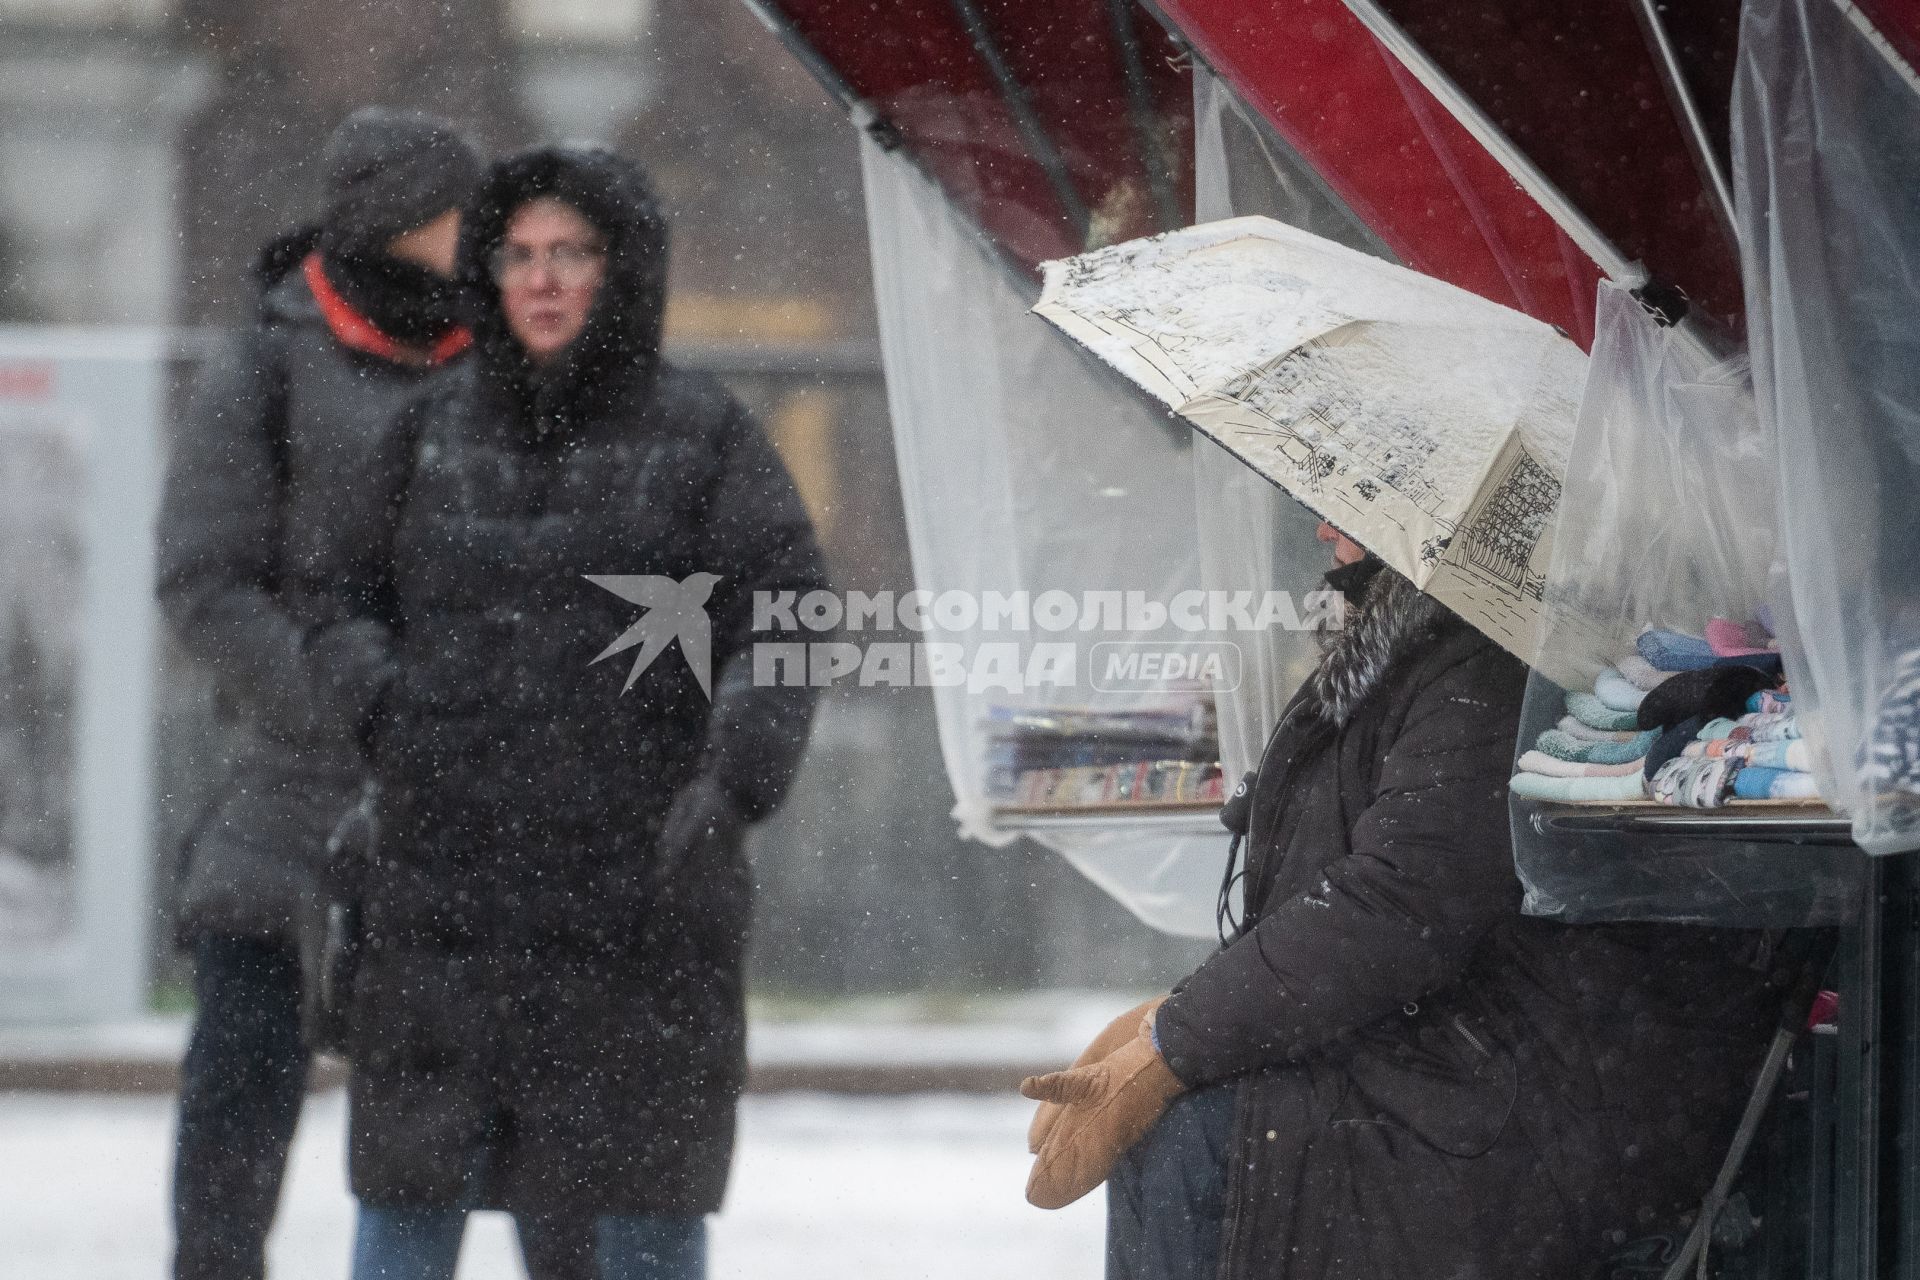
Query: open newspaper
[{"x": 1428, "y": 424}]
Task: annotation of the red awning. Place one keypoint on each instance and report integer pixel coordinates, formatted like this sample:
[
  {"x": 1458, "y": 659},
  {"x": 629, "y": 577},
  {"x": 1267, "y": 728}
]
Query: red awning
[
  {"x": 1055, "y": 127},
  {"x": 1061, "y": 126}
]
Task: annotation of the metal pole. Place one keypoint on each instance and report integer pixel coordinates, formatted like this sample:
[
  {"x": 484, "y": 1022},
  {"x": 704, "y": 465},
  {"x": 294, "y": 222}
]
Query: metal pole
[
  {"x": 1666, "y": 61},
  {"x": 1579, "y": 228},
  {"x": 1044, "y": 152}
]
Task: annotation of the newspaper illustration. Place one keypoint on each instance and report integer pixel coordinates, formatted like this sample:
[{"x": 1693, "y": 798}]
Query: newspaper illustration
[{"x": 1428, "y": 424}]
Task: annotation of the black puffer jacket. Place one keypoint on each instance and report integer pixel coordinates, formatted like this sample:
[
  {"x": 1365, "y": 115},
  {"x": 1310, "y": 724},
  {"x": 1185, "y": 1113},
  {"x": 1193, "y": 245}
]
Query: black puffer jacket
[
  {"x": 1432, "y": 1086},
  {"x": 531, "y": 1001},
  {"x": 276, "y": 469}
]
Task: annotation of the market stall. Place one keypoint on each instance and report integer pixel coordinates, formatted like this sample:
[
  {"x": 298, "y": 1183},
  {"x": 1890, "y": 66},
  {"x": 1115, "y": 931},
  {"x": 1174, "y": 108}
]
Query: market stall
[{"x": 1723, "y": 707}]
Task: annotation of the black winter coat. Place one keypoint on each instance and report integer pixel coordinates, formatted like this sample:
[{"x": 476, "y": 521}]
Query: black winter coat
[
  {"x": 537, "y": 1023},
  {"x": 275, "y": 471},
  {"x": 1432, "y": 1086}
]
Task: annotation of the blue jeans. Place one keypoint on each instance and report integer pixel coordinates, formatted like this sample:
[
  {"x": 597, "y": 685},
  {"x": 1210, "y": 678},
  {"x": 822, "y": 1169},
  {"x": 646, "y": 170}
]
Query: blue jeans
[
  {"x": 424, "y": 1244},
  {"x": 1167, "y": 1197}
]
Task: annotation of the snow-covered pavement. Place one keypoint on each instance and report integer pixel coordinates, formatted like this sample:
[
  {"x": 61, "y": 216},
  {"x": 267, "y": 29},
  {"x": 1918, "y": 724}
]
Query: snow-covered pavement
[{"x": 913, "y": 1188}]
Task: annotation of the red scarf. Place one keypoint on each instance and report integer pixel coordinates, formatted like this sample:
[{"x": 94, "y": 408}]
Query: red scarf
[{"x": 357, "y": 332}]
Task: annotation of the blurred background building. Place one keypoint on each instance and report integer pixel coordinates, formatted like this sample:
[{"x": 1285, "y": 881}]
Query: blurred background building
[{"x": 148, "y": 147}]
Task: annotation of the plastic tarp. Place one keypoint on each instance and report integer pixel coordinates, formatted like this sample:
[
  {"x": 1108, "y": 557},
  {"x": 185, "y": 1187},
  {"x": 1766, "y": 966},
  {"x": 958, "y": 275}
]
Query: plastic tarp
[
  {"x": 1025, "y": 468},
  {"x": 1667, "y": 521},
  {"x": 1827, "y": 187},
  {"x": 1052, "y": 127},
  {"x": 1250, "y": 530},
  {"x": 1667, "y": 511}
]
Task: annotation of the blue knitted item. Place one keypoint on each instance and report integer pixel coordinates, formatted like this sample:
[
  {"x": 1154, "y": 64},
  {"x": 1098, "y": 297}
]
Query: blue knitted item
[
  {"x": 1617, "y": 691},
  {"x": 1595, "y": 714},
  {"x": 1566, "y": 747},
  {"x": 1756, "y": 782},
  {"x": 1535, "y": 786},
  {"x": 1674, "y": 650}
]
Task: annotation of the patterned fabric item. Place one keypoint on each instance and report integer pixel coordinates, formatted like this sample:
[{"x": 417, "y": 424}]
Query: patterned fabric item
[
  {"x": 1694, "y": 783},
  {"x": 1598, "y": 713},
  {"x": 1787, "y": 754},
  {"x": 1778, "y": 726},
  {"x": 1617, "y": 691},
  {"x": 1890, "y": 753},
  {"x": 1770, "y": 702},
  {"x": 1554, "y": 767}
]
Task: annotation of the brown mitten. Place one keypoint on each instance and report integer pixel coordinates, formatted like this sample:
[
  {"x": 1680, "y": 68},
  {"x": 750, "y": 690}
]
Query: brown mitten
[
  {"x": 1110, "y": 1105},
  {"x": 1117, "y": 1033}
]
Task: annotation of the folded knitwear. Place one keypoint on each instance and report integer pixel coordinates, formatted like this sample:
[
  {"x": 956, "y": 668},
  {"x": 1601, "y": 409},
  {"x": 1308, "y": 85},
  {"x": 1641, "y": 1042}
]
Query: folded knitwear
[
  {"x": 1640, "y": 673},
  {"x": 1555, "y": 743},
  {"x": 1597, "y": 713},
  {"x": 1617, "y": 691},
  {"x": 1712, "y": 692},
  {"x": 1754, "y": 782},
  {"x": 1535, "y": 786},
  {"x": 1673, "y": 650},
  {"x": 1574, "y": 727},
  {"x": 1729, "y": 639},
  {"x": 1554, "y": 767}
]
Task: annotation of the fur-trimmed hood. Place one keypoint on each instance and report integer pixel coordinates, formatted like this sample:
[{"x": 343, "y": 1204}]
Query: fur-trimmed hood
[
  {"x": 1387, "y": 619},
  {"x": 616, "y": 360}
]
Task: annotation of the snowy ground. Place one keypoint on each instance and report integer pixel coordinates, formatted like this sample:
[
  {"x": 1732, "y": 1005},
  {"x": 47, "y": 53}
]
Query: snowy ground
[{"x": 913, "y": 1188}]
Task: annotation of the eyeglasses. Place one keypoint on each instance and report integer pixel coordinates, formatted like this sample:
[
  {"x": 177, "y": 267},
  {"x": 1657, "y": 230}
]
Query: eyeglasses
[{"x": 572, "y": 266}]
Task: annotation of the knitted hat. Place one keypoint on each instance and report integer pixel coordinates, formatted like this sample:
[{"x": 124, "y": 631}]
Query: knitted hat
[{"x": 388, "y": 171}]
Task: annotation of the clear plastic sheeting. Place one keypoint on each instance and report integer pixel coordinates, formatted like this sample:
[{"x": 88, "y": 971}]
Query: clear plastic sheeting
[
  {"x": 1667, "y": 521},
  {"x": 1027, "y": 469},
  {"x": 1667, "y": 512},
  {"x": 1827, "y": 185},
  {"x": 1250, "y": 530}
]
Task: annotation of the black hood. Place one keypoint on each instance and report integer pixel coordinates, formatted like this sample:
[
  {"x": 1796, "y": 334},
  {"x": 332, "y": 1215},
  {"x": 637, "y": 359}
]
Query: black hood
[{"x": 617, "y": 357}]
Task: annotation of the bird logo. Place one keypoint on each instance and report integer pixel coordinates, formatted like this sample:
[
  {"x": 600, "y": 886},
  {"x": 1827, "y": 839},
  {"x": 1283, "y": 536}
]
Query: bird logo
[{"x": 674, "y": 611}]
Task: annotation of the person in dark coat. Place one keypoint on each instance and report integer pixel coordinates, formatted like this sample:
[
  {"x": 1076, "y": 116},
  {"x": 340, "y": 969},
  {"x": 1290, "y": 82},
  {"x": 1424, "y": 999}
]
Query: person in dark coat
[
  {"x": 269, "y": 469},
  {"x": 1388, "y": 1071},
  {"x": 549, "y": 1010}
]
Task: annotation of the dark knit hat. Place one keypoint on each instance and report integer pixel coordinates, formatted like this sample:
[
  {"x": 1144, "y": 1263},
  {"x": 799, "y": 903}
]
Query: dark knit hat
[{"x": 389, "y": 171}]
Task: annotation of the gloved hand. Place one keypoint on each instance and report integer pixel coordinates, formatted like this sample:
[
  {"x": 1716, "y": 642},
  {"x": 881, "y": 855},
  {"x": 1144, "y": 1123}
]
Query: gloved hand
[
  {"x": 703, "y": 826},
  {"x": 1109, "y": 1106},
  {"x": 1117, "y": 1033},
  {"x": 700, "y": 886}
]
